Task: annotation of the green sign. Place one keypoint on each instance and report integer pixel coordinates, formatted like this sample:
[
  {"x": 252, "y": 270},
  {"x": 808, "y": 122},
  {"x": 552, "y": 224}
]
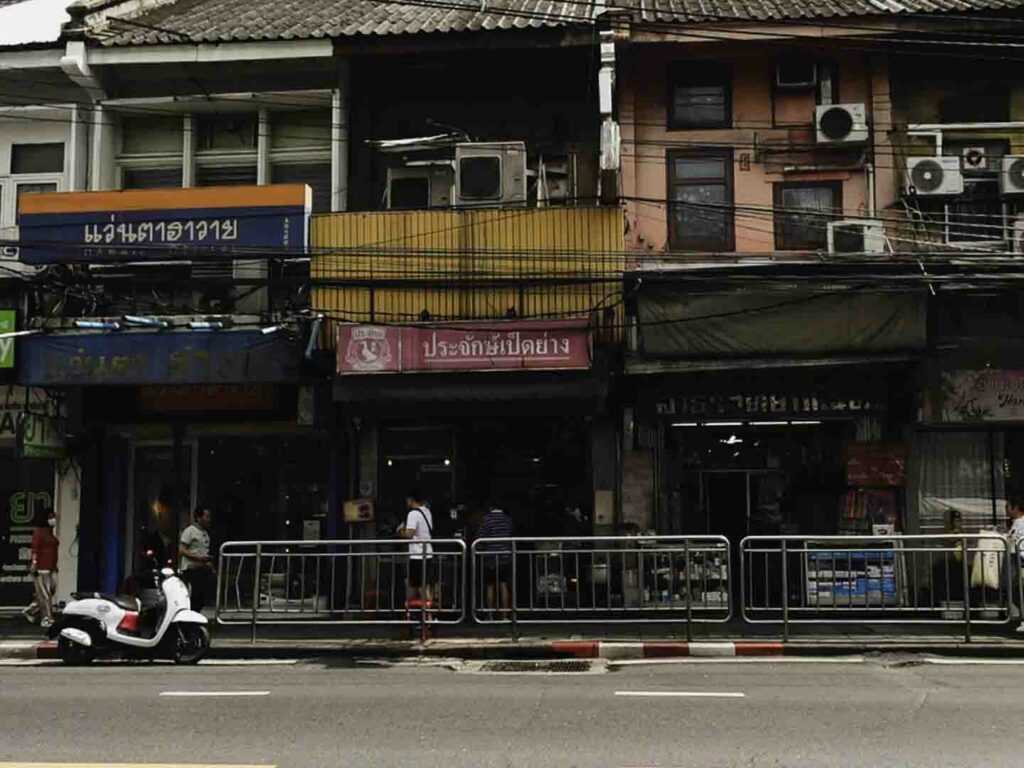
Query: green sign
[
  {"x": 7, "y": 318},
  {"x": 42, "y": 437}
]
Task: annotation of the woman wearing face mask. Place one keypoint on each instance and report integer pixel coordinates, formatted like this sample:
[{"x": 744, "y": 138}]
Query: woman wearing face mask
[{"x": 44, "y": 568}]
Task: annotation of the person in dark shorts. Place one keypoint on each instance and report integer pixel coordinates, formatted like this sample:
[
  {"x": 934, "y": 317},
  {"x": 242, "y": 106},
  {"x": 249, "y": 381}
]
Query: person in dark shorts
[
  {"x": 418, "y": 527},
  {"x": 497, "y": 557}
]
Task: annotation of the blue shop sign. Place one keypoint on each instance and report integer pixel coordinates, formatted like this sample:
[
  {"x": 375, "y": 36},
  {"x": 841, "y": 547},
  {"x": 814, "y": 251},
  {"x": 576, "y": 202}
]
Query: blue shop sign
[
  {"x": 164, "y": 224},
  {"x": 168, "y": 357}
]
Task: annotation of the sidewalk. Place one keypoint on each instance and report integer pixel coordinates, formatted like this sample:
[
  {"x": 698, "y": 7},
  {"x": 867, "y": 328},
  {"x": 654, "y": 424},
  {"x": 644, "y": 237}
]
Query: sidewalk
[{"x": 19, "y": 640}]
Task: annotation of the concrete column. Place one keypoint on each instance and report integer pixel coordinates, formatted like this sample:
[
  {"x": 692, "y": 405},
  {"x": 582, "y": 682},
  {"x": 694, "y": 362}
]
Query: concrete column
[
  {"x": 102, "y": 150},
  {"x": 67, "y": 504},
  {"x": 604, "y": 453},
  {"x": 340, "y": 109}
]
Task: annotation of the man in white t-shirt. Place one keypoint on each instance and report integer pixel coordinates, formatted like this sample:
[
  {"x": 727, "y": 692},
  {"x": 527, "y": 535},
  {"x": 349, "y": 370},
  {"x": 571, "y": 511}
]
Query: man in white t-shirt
[
  {"x": 1015, "y": 506},
  {"x": 418, "y": 527}
]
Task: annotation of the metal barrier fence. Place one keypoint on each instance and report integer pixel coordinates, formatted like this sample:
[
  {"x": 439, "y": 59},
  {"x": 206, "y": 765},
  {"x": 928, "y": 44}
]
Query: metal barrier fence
[
  {"x": 601, "y": 579},
  {"x": 900, "y": 579},
  {"x": 340, "y": 582}
]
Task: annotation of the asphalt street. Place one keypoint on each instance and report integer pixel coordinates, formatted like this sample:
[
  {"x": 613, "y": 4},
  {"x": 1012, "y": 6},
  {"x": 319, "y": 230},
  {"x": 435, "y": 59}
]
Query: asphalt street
[{"x": 873, "y": 713}]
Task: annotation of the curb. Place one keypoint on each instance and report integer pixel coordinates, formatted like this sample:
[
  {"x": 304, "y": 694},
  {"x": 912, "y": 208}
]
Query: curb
[
  {"x": 600, "y": 649},
  {"x": 562, "y": 649}
]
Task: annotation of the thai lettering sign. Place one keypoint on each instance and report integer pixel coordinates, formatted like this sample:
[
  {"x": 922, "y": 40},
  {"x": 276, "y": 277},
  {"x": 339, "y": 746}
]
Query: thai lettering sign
[
  {"x": 981, "y": 395},
  {"x": 764, "y": 406},
  {"x": 163, "y": 224},
  {"x": 497, "y": 346},
  {"x": 7, "y": 321},
  {"x": 135, "y": 358},
  {"x": 26, "y": 489}
]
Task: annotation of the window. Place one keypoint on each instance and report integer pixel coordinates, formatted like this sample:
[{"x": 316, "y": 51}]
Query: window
[
  {"x": 802, "y": 213},
  {"x": 700, "y": 194},
  {"x": 23, "y": 188},
  {"x": 480, "y": 177},
  {"x": 151, "y": 178},
  {"x": 317, "y": 176},
  {"x": 225, "y": 132},
  {"x": 977, "y": 214},
  {"x": 37, "y": 158},
  {"x": 700, "y": 96}
]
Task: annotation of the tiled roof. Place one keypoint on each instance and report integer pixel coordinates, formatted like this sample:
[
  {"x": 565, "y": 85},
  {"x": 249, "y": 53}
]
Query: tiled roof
[
  {"x": 175, "y": 21},
  {"x": 778, "y": 10},
  {"x": 228, "y": 20}
]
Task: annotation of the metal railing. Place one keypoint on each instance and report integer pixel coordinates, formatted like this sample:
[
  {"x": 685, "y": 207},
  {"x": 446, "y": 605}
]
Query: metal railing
[
  {"x": 340, "y": 582},
  {"x": 959, "y": 579},
  {"x": 601, "y": 579}
]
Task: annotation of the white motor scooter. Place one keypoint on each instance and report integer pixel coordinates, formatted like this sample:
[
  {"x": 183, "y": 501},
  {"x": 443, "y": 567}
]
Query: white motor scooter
[{"x": 161, "y": 625}]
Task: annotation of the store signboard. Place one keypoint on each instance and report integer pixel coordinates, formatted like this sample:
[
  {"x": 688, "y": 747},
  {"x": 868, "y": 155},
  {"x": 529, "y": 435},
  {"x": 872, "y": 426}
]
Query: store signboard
[
  {"x": 979, "y": 395},
  {"x": 497, "y": 346},
  {"x": 163, "y": 224},
  {"x": 806, "y": 405},
  {"x": 872, "y": 465},
  {"x": 26, "y": 488},
  {"x": 140, "y": 358},
  {"x": 8, "y": 318},
  {"x": 16, "y": 402}
]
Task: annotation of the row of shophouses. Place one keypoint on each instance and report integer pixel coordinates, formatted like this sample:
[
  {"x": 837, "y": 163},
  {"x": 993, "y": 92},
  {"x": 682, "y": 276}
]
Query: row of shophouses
[{"x": 738, "y": 268}]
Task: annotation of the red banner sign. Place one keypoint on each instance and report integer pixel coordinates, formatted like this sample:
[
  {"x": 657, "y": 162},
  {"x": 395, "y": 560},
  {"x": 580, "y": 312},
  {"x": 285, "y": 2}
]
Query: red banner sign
[{"x": 497, "y": 346}]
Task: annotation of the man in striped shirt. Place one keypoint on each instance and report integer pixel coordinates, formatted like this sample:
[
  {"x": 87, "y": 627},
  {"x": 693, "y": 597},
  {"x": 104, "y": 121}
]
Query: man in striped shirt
[{"x": 497, "y": 556}]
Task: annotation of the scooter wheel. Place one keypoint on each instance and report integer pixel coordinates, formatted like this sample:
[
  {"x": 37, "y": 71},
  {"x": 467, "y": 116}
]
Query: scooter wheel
[
  {"x": 193, "y": 642},
  {"x": 73, "y": 654}
]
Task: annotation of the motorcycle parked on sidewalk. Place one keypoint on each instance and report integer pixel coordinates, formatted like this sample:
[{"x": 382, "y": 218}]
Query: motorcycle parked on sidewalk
[{"x": 159, "y": 623}]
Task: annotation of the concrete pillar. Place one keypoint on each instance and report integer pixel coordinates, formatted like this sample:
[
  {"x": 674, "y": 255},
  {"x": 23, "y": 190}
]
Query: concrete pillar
[
  {"x": 339, "y": 139},
  {"x": 67, "y": 504},
  {"x": 604, "y": 461}
]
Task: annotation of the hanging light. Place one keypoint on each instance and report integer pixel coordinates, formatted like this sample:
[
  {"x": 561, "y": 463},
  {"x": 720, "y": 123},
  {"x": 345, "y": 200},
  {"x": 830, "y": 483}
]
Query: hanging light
[
  {"x": 98, "y": 325},
  {"x": 147, "y": 322},
  {"x": 207, "y": 325}
]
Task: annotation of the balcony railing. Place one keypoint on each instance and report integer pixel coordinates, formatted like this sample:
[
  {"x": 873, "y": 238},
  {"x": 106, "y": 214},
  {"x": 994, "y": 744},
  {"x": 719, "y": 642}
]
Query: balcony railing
[{"x": 447, "y": 265}]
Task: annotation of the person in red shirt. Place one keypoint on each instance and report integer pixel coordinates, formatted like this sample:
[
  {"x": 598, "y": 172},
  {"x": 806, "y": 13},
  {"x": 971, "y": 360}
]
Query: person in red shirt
[{"x": 44, "y": 568}]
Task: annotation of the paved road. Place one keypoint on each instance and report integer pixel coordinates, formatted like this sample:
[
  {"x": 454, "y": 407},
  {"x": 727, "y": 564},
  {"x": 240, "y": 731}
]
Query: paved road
[{"x": 314, "y": 715}]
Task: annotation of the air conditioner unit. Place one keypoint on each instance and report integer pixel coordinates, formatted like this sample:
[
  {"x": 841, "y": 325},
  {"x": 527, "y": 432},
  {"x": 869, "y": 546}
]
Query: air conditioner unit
[
  {"x": 490, "y": 174},
  {"x": 856, "y": 236},
  {"x": 1011, "y": 176},
  {"x": 841, "y": 123},
  {"x": 974, "y": 160},
  {"x": 934, "y": 176},
  {"x": 421, "y": 185},
  {"x": 796, "y": 74}
]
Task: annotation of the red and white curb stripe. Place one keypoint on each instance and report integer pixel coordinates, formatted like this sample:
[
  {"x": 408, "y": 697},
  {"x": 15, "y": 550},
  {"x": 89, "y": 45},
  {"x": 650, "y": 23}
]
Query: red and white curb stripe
[{"x": 600, "y": 649}]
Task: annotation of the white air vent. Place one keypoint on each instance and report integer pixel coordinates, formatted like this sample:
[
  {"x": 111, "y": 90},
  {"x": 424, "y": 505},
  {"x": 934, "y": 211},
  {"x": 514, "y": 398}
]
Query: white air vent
[
  {"x": 421, "y": 185},
  {"x": 974, "y": 160},
  {"x": 856, "y": 236},
  {"x": 490, "y": 174},
  {"x": 934, "y": 176},
  {"x": 1011, "y": 177},
  {"x": 841, "y": 124}
]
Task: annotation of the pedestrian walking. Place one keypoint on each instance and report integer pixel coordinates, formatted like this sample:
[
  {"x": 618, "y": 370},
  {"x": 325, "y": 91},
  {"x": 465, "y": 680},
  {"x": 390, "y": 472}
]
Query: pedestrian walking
[
  {"x": 45, "y": 545},
  {"x": 497, "y": 556},
  {"x": 196, "y": 563},
  {"x": 419, "y": 528}
]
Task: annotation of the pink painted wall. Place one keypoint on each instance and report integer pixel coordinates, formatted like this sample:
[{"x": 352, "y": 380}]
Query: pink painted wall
[{"x": 643, "y": 93}]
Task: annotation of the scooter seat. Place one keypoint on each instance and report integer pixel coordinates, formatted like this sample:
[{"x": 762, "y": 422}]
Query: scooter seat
[{"x": 121, "y": 601}]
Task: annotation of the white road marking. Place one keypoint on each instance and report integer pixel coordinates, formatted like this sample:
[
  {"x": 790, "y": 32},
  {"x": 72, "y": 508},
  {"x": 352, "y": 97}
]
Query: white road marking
[
  {"x": 247, "y": 662},
  {"x": 214, "y": 693},
  {"x": 742, "y": 660},
  {"x": 685, "y": 694},
  {"x": 953, "y": 661}
]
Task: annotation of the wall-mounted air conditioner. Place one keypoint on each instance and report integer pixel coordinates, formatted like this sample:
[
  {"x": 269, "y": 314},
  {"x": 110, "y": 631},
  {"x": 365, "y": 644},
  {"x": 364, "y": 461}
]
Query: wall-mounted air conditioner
[
  {"x": 841, "y": 123},
  {"x": 856, "y": 236},
  {"x": 934, "y": 176},
  {"x": 490, "y": 174},
  {"x": 1011, "y": 175},
  {"x": 421, "y": 185}
]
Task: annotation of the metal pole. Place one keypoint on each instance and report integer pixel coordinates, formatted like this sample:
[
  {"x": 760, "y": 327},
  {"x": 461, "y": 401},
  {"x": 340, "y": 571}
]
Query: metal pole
[
  {"x": 967, "y": 587},
  {"x": 424, "y": 596},
  {"x": 689, "y": 594},
  {"x": 785, "y": 594},
  {"x": 514, "y": 596},
  {"x": 256, "y": 589}
]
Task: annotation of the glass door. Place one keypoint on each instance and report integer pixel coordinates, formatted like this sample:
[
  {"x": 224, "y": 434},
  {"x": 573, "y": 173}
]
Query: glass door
[{"x": 163, "y": 497}]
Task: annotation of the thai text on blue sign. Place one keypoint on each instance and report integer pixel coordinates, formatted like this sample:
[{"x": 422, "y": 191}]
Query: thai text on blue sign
[{"x": 164, "y": 224}]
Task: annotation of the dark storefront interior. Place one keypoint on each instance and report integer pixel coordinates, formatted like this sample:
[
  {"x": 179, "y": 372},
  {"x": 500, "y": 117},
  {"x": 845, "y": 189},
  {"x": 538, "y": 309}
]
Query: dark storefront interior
[{"x": 535, "y": 468}]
